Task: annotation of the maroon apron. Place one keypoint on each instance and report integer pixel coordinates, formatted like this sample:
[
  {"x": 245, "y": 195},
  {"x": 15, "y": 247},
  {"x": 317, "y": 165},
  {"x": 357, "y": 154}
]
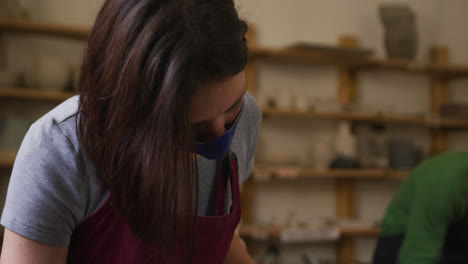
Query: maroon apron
[{"x": 105, "y": 237}]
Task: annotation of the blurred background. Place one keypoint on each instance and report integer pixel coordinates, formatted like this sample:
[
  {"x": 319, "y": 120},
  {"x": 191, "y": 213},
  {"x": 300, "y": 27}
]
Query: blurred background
[{"x": 354, "y": 94}]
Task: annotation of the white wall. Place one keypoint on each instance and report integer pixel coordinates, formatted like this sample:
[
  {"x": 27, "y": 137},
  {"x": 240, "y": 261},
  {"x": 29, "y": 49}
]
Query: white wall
[{"x": 283, "y": 22}]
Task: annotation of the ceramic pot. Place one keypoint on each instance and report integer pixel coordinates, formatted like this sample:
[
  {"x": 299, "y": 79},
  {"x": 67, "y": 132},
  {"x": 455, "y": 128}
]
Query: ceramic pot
[
  {"x": 345, "y": 141},
  {"x": 401, "y": 38},
  {"x": 373, "y": 147},
  {"x": 402, "y": 154},
  {"x": 342, "y": 162}
]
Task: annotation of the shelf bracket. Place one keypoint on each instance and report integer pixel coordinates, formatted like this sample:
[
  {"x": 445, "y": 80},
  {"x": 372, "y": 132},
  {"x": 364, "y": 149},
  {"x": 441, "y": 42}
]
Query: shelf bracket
[
  {"x": 346, "y": 188},
  {"x": 347, "y": 81},
  {"x": 440, "y": 94}
]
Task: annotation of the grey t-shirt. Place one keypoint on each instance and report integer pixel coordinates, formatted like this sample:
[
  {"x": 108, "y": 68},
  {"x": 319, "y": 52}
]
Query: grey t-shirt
[{"x": 52, "y": 187}]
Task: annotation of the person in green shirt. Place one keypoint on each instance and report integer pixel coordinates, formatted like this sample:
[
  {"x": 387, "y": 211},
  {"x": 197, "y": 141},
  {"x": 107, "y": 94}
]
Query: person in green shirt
[{"x": 427, "y": 220}]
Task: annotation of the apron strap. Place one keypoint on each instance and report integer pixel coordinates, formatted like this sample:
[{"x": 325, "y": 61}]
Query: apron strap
[
  {"x": 222, "y": 182},
  {"x": 228, "y": 171}
]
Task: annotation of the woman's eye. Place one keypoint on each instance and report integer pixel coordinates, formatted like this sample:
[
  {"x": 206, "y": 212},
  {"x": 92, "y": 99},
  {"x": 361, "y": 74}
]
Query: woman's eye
[{"x": 235, "y": 109}]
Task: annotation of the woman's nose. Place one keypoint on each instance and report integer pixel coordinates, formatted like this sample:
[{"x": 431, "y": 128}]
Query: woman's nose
[
  {"x": 211, "y": 130},
  {"x": 216, "y": 129}
]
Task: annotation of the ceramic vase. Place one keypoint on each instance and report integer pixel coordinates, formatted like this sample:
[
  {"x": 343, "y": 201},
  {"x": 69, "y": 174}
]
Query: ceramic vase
[
  {"x": 345, "y": 141},
  {"x": 401, "y": 38},
  {"x": 403, "y": 155}
]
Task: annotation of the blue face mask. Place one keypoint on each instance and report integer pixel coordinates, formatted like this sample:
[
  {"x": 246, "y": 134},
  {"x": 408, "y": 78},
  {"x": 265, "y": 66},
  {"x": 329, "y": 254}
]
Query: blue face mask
[{"x": 220, "y": 146}]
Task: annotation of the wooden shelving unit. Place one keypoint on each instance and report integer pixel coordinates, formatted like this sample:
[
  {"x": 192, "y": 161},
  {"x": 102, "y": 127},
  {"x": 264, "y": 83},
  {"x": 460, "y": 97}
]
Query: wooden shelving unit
[
  {"x": 43, "y": 29},
  {"x": 34, "y": 94},
  {"x": 266, "y": 173},
  {"x": 439, "y": 71}
]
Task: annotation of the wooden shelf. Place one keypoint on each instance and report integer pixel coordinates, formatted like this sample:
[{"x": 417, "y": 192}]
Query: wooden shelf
[
  {"x": 6, "y": 164},
  {"x": 6, "y": 160},
  {"x": 394, "y": 64},
  {"x": 34, "y": 94},
  {"x": 367, "y": 118},
  {"x": 450, "y": 124},
  {"x": 266, "y": 233},
  {"x": 450, "y": 71},
  {"x": 446, "y": 70},
  {"x": 347, "y": 116},
  {"x": 265, "y": 173},
  {"x": 41, "y": 28},
  {"x": 357, "y": 63},
  {"x": 360, "y": 232},
  {"x": 303, "y": 56}
]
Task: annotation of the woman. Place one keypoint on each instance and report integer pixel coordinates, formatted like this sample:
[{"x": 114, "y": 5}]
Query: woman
[
  {"x": 113, "y": 176},
  {"x": 427, "y": 220}
]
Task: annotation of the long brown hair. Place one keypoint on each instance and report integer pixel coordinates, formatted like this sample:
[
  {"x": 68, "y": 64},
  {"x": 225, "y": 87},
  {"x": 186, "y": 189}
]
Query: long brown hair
[{"x": 143, "y": 62}]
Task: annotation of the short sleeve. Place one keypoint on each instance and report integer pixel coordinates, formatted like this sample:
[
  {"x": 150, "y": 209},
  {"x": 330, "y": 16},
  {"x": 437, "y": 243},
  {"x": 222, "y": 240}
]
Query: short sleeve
[
  {"x": 45, "y": 194},
  {"x": 256, "y": 121},
  {"x": 246, "y": 137}
]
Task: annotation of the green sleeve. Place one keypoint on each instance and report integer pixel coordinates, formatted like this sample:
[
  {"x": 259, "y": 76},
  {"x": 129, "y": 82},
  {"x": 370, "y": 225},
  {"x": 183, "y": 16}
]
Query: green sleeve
[{"x": 435, "y": 205}]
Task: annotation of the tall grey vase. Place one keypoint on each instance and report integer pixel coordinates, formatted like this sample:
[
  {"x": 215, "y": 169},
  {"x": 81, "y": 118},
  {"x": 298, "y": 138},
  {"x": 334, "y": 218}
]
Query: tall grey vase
[{"x": 401, "y": 35}]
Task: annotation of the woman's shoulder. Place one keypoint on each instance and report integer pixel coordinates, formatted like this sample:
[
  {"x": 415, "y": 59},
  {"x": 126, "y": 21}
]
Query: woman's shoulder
[
  {"x": 60, "y": 120},
  {"x": 249, "y": 123},
  {"x": 52, "y": 188},
  {"x": 246, "y": 137},
  {"x": 50, "y": 139}
]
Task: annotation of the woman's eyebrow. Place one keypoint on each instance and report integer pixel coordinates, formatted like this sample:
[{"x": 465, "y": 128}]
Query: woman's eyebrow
[
  {"x": 237, "y": 102},
  {"x": 229, "y": 109}
]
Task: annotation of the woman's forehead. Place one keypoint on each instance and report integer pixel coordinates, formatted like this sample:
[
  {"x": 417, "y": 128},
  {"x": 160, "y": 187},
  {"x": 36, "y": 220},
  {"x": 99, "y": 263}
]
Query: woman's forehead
[{"x": 214, "y": 98}]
